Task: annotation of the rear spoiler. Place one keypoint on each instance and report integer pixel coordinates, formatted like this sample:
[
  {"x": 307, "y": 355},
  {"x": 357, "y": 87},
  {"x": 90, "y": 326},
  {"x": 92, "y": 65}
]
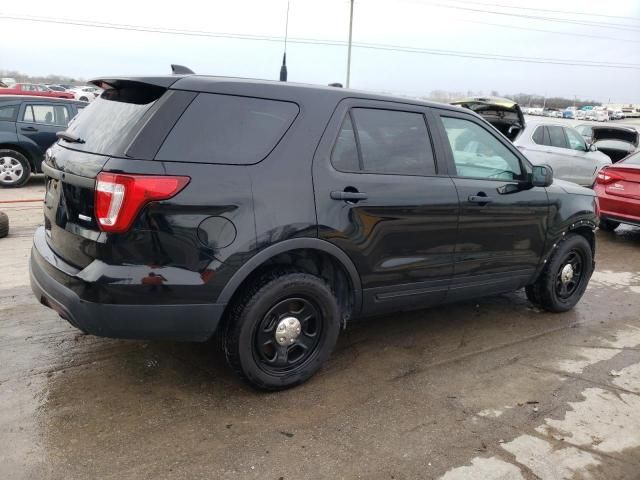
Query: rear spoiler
[{"x": 165, "y": 81}]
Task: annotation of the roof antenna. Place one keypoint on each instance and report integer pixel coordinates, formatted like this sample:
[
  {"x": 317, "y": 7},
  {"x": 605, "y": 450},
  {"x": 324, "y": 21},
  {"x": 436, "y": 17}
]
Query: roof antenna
[
  {"x": 181, "y": 70},
  {"x": 283, "y": 68}
]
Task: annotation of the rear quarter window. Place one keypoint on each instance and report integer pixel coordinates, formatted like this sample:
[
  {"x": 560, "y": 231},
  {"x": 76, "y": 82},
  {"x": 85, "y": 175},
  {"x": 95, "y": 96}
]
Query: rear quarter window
[{"x": 228, "y": 129}]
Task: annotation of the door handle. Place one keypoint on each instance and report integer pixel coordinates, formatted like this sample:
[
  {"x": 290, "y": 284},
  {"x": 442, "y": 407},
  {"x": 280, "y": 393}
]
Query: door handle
[
  {"x": 349, "y": 196},
  {"x": 480, "y": 198},
  {"x": 29, "y": 129}
]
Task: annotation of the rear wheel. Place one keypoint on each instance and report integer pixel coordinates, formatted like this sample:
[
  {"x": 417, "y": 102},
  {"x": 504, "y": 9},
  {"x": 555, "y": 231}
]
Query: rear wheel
[
  {"x": 565, "y": 277},
  {"x": 83, "y": 99},
  {"x": 608, "y": 225},
  {"x": 14, "y": 168},
  {"x": 282, "y": 330}
]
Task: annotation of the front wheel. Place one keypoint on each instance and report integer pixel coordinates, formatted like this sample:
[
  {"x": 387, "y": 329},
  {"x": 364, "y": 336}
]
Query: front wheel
[
  {"x": 565, "y": 277},
  {"x": 282, "y": 330}
]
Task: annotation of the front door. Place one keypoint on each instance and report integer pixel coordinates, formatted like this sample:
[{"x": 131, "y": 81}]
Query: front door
[
  {"x": 550, "y": 147},
  {"x": 503, "y": 220},
  {"x": 585, "y": 167},
  {"x": 382, "y": 197}
]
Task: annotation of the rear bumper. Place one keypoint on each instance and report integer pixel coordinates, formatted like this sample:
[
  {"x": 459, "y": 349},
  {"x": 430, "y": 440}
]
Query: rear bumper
[
  {"x": 191, "y": 322},
  {"x": 617, "y": 208}
]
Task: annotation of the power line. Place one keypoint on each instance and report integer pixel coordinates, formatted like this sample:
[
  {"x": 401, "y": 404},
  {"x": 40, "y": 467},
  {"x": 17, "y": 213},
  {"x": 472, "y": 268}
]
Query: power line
[
  {"x": 616, "y": 26},
  {"x": 311, "y": 41},
  {"x": 564, "y": 12},
  {"x": 557, "y": 32}
]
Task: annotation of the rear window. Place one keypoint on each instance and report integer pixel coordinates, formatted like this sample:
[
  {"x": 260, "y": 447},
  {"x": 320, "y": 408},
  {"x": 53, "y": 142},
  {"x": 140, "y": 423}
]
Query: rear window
[
  {"x": 109, "y": 123},
  {"x": 228, "y": 129}
]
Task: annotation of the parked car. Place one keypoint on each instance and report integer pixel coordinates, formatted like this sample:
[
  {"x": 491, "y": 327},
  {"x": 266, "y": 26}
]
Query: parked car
[
  {"x": 272, "y": 214},
  {"x": 590, "y": 115},
  {"x": 33, "y": 90},
  {"x": 617, "y": 115},
  {"x": 569, "y": 114},
  {"x": 601, "y": 115},
  {"x": 580, "y": 115},
  {"x": 618, "y": 190},
  {"x": 56, "y": 88},
  {"x": 85, "y": 94},
  {"x": 28, "y": 126},
  {"x": 503, "y": 113},
  {"x": 564, "y": 149},
  {"x": 614, "y": 141}
]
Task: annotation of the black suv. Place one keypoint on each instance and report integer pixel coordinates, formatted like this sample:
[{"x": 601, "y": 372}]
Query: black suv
[
  {"x": 271, "y": 214},
  {"x": 28, "y": 126}
]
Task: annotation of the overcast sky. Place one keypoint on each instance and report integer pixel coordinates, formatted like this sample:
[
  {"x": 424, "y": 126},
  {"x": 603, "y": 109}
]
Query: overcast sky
[{"x": 41, "y": 48}]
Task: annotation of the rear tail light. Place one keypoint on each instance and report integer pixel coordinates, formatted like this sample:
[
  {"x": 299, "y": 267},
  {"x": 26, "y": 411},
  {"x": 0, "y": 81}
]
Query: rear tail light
[
  {"x": 606, "y": 176},
  {"x": 119, "y": 198}
]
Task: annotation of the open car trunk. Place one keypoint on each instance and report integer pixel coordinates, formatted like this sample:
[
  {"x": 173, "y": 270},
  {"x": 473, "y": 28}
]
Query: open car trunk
[
  {"x": 502, "y": 113},
  {"x": 616, "y": 142}
]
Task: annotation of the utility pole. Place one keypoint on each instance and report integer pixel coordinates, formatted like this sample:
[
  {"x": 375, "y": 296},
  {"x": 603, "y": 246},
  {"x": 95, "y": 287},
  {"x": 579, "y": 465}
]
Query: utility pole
[{"x": 349, "y": 47}]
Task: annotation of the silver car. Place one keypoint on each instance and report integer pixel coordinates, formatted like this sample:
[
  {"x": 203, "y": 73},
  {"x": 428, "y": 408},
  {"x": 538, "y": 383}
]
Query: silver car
[{"x": 564, "y": 149}]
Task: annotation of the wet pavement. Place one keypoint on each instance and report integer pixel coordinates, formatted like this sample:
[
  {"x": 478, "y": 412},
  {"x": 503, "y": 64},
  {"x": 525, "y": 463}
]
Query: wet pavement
[{"x": 491, "y": 389}]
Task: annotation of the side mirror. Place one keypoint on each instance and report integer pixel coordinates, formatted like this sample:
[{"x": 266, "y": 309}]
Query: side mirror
[
  {"x": 593, "y": 147},
  {"x": 541, "y": 176}
]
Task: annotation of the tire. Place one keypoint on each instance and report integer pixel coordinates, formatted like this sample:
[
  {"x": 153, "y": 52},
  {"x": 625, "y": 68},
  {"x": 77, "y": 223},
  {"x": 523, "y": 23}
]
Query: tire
[
  {"x": 250, "y": 344},
  {"x": 557, "y": 289},
  {"x": 15, "y": 169},
  {"x": 83, "y": 99},
  {"x": 4, "y": 225},
  {"x": 608, "y": 225}
]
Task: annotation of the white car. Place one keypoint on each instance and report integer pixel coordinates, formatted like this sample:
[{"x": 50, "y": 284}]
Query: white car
[
  {"x": 563, "y": 149},
  {"x": 601, "y": 116},
  {"x": 86, "y": 93}
]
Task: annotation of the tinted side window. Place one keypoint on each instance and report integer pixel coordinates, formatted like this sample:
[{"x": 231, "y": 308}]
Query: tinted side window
[
  {"x": 541, "y": 136},
  {"x": 477, "y": 153},
  {"x": 556, "y": 136},
  {"x": 8, "y": 113},
  {"x": 345, "y": 152},
  {"x": 228, "y": 129},
  {"x": 393, "y": 142}
]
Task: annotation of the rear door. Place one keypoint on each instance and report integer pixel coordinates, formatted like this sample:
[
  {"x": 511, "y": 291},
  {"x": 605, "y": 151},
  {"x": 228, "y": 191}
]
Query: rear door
[
  {"x": 384, "y": 198},
  {"x": 40, "y": 121},
  {"x": 503, "y": 220}
]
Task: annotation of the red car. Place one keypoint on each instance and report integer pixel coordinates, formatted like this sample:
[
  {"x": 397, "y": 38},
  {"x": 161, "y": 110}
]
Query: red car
[
  {"x": 35, "y": 90},
  {"x": 618, "y": 190}
]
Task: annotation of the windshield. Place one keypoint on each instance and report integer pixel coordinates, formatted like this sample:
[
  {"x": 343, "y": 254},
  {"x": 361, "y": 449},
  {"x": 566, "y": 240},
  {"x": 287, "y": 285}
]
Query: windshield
[{"x": 109, "y": 123}]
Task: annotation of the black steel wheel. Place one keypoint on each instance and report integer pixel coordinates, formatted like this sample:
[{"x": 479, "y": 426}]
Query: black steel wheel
[
  {"x": 288, "y": 335},
  {"x": 282, "y": 330},
  {"x": 565, "y": 276}
]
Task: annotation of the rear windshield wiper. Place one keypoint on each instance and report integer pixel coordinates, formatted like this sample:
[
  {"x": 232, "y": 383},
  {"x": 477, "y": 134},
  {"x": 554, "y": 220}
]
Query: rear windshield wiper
[{"x": 69, "y": 137}]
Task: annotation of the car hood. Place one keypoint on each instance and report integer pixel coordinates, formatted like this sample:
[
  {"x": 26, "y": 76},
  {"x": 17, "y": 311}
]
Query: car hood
[
  {"x": 504, "y": 114},
  {"x": 628, "y": 135},
  {"x": 570, "y": 187}
]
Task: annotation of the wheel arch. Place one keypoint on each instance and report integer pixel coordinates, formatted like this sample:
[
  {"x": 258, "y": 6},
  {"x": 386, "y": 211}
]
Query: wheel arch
[{"x": 295, "y": 246}]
